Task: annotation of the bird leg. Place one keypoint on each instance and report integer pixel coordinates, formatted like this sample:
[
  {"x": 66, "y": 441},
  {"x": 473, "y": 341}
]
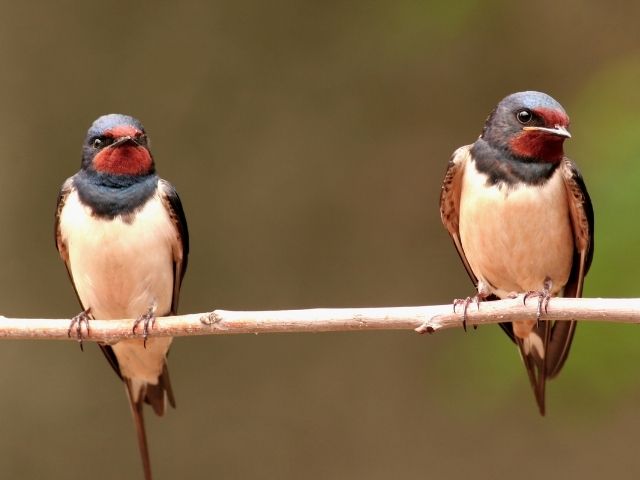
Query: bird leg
[
  {"x": 76, "y": 323},
  {"x": 147, "y": 319},
  {"x": 543, "y": 295}
]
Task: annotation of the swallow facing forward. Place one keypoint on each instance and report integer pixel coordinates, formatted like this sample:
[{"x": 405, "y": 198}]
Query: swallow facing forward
[
  {"x": 521, "y": 219},
  {"x": 122, "y": 234}
]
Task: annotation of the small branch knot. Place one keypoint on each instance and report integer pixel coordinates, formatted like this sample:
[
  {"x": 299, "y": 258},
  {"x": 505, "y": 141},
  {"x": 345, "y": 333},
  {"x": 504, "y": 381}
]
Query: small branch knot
[
  {"x": 211, "y": 319},
  {"x": 425, "y": 328}
]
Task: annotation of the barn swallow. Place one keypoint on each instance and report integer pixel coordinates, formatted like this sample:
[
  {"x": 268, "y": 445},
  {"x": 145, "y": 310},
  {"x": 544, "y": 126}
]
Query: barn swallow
[
  {"x": 122, "y": 234},
  {"x": 521, "y": 220}
]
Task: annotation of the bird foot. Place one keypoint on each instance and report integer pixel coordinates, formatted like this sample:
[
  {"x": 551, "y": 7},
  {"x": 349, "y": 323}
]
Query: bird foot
[
  {"x": 465, "y": 302},
  {"x": 543, "y": 296},
  {"x": 148, "y": 320},
  {"x": 76, "y": 324}
]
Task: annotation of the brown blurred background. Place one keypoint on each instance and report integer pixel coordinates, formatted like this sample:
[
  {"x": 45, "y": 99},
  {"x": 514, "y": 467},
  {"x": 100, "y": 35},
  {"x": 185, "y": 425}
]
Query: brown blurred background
[{"x": 308, "y": 141}]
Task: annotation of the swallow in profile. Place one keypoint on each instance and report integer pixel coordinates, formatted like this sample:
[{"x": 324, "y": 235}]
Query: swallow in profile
[
  {"x": 122, "y": 234},
  {"x": 522, "y": 221}
]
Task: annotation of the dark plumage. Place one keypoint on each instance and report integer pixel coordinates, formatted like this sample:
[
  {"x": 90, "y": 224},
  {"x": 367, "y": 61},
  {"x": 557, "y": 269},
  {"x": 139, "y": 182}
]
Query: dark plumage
[
  {"x": 503, "y": 167},
  {"x": 109, "y": 195}
]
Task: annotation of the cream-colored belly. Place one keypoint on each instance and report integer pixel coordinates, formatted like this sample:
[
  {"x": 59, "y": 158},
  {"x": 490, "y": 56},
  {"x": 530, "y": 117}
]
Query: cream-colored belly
[
  {"x": 122, "y": 269},
  {"x": 516, "y": 238}
]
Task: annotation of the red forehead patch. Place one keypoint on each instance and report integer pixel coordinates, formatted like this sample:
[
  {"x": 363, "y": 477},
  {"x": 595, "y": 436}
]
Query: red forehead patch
[
  {"x": 122, "y": 131},
  {"x": 553, "y": 117}
]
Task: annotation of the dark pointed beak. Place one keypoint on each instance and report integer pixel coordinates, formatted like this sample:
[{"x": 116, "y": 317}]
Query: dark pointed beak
[
  {"x": 124, "y": 140},
  {"x": 558, "y": 130}
]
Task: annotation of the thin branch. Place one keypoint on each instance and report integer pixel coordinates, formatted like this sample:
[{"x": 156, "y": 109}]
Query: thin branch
[{"x": 423, "y": 319}]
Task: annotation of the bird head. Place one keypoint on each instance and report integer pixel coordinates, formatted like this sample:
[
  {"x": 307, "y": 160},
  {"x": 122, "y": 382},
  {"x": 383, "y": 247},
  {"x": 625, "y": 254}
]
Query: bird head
[
  {"x": 117, "y": 145},
  {"x": 528, "y": 125}
]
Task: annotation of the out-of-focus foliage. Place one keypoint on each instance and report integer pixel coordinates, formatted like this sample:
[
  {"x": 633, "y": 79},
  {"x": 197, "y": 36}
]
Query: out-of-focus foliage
[{"x": 308, "y": 141}]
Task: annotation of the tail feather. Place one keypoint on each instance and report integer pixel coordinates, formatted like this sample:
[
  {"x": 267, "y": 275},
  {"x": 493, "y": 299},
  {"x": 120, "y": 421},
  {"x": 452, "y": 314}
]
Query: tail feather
[
  {"x": 156, "y": 395},
  {"x": 559, "y": 346},
  {"x": 138, "y": 420},
  {"x": 139, "y": 393},
  {"x": 544, "y": 353},
  {"x": 533, "y": 350}
]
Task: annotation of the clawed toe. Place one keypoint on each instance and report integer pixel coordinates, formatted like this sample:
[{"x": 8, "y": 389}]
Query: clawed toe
[
  {"x": 76, "y": 324},
  {"x": 465, "y": 302},
  {"x": 543, "y": 296},
  {"x": 148, "y": 320}
]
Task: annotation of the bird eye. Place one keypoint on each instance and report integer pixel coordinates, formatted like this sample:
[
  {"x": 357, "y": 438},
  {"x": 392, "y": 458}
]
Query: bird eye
[
  {"x": 97, "y": 142},
  {"x": 524, "y": 116}
]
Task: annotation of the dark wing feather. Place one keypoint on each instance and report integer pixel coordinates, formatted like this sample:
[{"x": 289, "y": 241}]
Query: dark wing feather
[
  {"x": 582, "y": 221},
  {"x": 65, "y": 191},
  {"x": 110, "y": 355},
  {"x": 450, "y": 202},
  {"x": 173, "y": 204}
]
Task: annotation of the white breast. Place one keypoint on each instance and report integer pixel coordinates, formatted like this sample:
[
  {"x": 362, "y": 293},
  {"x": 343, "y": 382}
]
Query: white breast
[
  {"x": 119, "y": 268},
  {"x": 516, "y": 237}
]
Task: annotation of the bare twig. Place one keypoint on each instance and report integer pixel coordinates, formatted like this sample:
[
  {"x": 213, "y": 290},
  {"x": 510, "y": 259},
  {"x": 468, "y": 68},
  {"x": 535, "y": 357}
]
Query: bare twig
[{"x": 422, "y": 319}]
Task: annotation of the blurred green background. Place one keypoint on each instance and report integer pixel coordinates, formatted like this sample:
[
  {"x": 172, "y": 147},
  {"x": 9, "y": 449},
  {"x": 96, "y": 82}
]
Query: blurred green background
[{"x": 308, "y": 141}]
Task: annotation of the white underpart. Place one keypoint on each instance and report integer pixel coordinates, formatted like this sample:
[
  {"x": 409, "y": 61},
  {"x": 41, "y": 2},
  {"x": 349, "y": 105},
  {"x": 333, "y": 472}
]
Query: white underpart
[
  {"x": 516, "y": 237},
  {"x": 120, "y": 270},
  {"x": 532, "y": 342}
]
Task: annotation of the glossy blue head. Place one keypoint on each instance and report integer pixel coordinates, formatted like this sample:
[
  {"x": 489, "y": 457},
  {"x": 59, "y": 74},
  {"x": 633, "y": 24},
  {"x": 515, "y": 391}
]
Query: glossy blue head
[
  {"x": 117, "y": 145},
  {"x": 528, "y": 125}
]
